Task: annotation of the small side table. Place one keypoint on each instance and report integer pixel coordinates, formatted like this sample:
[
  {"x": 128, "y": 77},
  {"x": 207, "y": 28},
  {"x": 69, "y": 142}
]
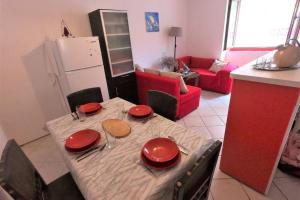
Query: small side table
[{"x": 191, "y": 76}]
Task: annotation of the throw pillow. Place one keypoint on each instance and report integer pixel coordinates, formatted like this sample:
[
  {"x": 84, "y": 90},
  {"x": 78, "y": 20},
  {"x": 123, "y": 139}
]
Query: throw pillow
[
  {"x": 183, "y": 87},
  {"x": 151, "y": 71},
  {"x": 217, "y": 66},
  {"x": 138, "y": 68}
]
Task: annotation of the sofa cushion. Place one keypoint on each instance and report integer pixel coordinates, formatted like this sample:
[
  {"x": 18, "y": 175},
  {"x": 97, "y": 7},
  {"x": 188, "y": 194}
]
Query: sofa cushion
[
  {"x": 151, "y": 71},
  {"x": 147, "y": 81},
  {"x": 203, "y": 63},
  {"x": 186, "y": 60},
  {"x": 217, "y": 66},
  {"x": 194, "y": 92},
  {"x": 203, "y": 72},
  {"x": 183, "y": 87},
  {"x": 208, "y": 80}
]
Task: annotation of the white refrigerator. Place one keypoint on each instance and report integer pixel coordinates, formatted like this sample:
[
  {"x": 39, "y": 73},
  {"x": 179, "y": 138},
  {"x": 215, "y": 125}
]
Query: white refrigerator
[{"x": 81, "y": 65}]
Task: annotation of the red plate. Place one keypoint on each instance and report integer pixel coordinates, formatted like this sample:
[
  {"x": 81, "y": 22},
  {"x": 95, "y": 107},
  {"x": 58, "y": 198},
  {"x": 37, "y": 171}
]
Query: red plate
[
  {"x": 161, "y": 166},
  {"x": 143, "y": 117},
  {"x": 140, "y": 111},
  {"x": 90, "y": 108},
  {"x": 82, "y": 140},
  {"x": 85, "y": 148},
  {"x": 160, "y": 150}
]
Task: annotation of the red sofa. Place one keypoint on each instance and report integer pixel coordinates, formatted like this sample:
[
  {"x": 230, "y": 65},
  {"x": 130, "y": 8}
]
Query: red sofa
[
  {"x": 185, "y": 102},
  {"x": 218, "y": 82}
]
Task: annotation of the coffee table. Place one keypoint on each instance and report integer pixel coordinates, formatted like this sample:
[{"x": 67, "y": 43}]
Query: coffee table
[{"x": 191, "y": 76}]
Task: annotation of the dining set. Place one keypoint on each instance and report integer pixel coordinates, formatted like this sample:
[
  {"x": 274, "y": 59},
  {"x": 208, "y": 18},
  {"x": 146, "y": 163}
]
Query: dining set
[
  {"x": 158, "y": 153},
  {"x": 142, "y": 164},
  {"x": 118, "y": 150}
]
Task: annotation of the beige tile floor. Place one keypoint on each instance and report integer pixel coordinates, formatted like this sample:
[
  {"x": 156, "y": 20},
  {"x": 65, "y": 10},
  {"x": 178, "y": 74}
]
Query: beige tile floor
[{"x": 210, "y": 120}]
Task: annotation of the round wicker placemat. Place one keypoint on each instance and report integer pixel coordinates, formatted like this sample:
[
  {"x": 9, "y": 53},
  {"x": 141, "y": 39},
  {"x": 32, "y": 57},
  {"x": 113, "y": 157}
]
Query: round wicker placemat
[{"x": 116, "y": 127}]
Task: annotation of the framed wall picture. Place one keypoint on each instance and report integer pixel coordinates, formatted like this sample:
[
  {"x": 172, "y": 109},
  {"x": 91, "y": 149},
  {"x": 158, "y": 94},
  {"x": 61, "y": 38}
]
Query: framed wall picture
[{"x": 152, "y": 21}]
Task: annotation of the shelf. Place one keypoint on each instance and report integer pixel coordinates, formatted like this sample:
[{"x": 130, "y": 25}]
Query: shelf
[
  {"x": 121, "y": 61},
  {"x": 121, "y": 48},
  {"x": 117, "y": 34},
  {"x": 115, "y": 24}
]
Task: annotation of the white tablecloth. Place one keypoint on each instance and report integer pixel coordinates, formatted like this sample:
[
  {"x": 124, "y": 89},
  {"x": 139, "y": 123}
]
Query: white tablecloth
[{"x": 114, "y": 173}]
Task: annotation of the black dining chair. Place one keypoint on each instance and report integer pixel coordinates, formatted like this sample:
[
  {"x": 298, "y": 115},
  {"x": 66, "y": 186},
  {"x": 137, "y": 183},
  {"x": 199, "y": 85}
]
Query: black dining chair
[
  {"x": 195, "y": 182},
  {"x": 84, "y": 96},
  {"x": 162, "y": 103},
  {"x": 21, "y": 180}
]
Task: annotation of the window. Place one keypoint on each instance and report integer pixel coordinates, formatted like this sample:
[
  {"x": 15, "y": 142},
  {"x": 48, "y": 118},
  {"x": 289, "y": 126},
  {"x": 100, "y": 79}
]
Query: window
[
  {"x": 295, "y": 25},
  {"x": 258, "y": 23}
]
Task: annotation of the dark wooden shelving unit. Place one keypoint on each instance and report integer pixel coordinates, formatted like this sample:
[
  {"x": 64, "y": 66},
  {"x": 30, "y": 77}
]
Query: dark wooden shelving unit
[{"x": 112, "y": 28}]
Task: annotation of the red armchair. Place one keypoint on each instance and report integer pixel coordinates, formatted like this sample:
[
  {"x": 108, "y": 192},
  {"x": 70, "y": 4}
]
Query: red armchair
[
  {"x": 186, "y": 103},
  {"x": 218, "y": 82}
]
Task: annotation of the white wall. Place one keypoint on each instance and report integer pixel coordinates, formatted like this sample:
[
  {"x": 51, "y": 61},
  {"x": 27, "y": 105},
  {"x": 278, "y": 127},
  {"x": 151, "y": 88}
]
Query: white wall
[
  {"x": 241, "y": 57},
  {"x": 27, "y": 98},
  {"x": 206, "y": 19},
  {"x": 3, "y": 140}
]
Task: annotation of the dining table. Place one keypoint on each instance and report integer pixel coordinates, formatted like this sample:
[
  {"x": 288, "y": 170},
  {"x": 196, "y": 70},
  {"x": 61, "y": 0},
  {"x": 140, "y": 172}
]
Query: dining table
[{"x": 117, "y": 173}]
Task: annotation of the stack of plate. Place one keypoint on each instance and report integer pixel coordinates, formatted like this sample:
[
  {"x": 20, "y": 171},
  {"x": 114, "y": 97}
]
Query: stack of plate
[
  {"x": 140, "y": 111},
  {"x": 160, "y": 153},
  {"x": 90, "y": 108},
  {"x": 82, "y": 140}
]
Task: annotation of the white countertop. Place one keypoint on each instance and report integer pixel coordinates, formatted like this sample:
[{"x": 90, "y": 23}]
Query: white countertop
[{"x": 290, "y": 78}]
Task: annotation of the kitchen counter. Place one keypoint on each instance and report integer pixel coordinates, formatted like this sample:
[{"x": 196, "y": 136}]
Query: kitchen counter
[
  {"x": 290, "y": 78},
  {"x": 262, "y": 109}
]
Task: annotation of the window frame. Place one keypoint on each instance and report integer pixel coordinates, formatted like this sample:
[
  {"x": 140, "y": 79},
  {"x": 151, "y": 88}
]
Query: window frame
[
  {"x": 228, "y": 21},
  {"x": 294, "y": 35},
  {"x": 227, "y": 25},
  {"x": 289, "y": 33}
]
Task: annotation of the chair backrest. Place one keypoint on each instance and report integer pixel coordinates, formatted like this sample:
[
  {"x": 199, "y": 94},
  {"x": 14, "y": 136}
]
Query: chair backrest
[
  {"x": 18, "y": 177},
  {"x": 195, "y": 183},
  {"x": 162, "y": 103},
  {"x": 84, "y": 96}
]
